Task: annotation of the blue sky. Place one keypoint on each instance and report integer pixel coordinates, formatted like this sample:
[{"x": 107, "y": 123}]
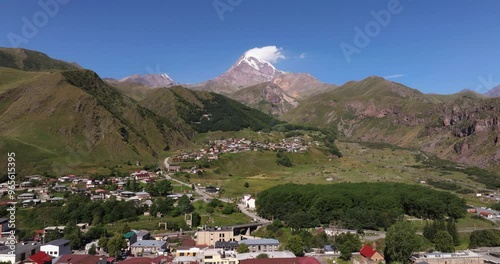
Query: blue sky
[{"x": 434, "y": 46}]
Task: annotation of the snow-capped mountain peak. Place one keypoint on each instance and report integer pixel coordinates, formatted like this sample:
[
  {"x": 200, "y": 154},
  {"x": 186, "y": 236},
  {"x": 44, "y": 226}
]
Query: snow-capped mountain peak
[
  {"x": 256, "y": 63},
  {"x": 255, "y": 67}
]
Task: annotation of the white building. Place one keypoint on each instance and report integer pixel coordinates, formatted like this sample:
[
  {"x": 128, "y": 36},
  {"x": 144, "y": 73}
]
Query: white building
[
  {"x": 57, "y": 248},
  {"x": 249, "y": 201}
]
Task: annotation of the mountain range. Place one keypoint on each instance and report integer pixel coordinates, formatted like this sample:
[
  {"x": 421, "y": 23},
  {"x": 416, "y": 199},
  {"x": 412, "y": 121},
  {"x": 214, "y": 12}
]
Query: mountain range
[
  {"x": 60, "y": 118},
  {"x": 55, "y": 112}
]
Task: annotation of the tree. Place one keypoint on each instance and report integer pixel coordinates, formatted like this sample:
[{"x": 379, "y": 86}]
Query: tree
[
  {"x": 52, "y": 235},
  {"x": 283, "y": 160},
  {"x": 401, "y": 241},
  {"x": 163, "y": 188},
  {"x": 484, "y": 238},
  {"x": 242, "y": 248},
  {"x": 103, "y": 243},
  {"x": 184, "y": 205},
  {"x": 262, "y": 255},
  {"x": 443, "y": 241},
  {"x": 429, "y": 231},
  {"x": 452, "y": 230},
  {"x": 92, "y": 250},
  {"x": 116, "y": 244},
  {"x": 196, "y": 219},
  {"x": 295, "y": 245},
  {"x": 246, "y": 185},
  {"x": 74, "y": 235},
  {"x": 125, "y": 229},
  {"x": 347, "y": 243}
]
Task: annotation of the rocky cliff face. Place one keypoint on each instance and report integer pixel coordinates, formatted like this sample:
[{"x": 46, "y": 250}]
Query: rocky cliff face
[
  {"x": 266, "y": 97},
  {"x": 460, "y": 128}
]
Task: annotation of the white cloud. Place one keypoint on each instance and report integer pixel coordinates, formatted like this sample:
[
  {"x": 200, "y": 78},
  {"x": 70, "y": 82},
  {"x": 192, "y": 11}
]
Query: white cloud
[
  {"x": 269, "y": 53},
  {"x": 302, "y": 56},
  {"x": 394, "y": 76}
]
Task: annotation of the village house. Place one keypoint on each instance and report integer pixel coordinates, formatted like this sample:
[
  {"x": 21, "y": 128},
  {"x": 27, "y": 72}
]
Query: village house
[
  {"x": 22, "y": 251},
  {"x": 217, "y": 256},
  {"x": 143, "y": 195},
  {"x": 56, "y": 248},
  {"x": 26, "y": 196},
  {"x": 127, "y": 194},
  {"x": 4, "y": 227},
  {"x": 39, "y": 258},
  {"x": 330, "y": 250},
  {"x": 143, "y": 235},
  {"x": 209, "y": 237},
  {"x": 368, "y": 255},
  {"x": 81, "y": 259},
  {"x": 140, "y": 175},
  {"x": 148, "y": 247},
  {"x": 188, "y": 255},
  {"x": 249, "y": 201},
  {"x": 285, "y": 257},
  {"x": 460, "y": 257},
  {"x": 131, "y": 238},
  {"x": 26, "y": 184},
  {"x": 261, "y": 245},
  {"x": 59, "y": 188}
]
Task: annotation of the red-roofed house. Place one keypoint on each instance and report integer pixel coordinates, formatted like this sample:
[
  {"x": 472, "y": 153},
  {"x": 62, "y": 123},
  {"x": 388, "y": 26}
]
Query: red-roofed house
[
  {"x": 370, "y": 255},
  {"x": 80, "y": 259},
  {"x": 39, "y": 258},
  {"x": 144, "y": 260}
]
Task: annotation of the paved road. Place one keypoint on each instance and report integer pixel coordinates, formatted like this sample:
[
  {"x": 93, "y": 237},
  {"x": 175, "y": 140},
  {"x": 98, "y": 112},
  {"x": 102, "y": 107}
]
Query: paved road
[{"x": 203, "y": 194}]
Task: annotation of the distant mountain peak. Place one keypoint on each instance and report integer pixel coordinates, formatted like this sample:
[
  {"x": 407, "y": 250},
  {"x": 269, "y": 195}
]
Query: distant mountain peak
[
  {"x": 150, "y": 80},
  {"x": 256, "y": 63},
  {"x": 250, "y": 70},
  {"x": 494, "y": 92}
]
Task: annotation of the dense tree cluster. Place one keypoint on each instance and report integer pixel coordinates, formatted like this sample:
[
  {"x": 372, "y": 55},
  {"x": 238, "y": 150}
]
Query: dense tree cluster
[
  {"x": 165, "y": 206},
  {"x": 443, "y": 235},
  {"x": 283, "y": 160},
  {"x": 485, "y": 238},
  {"x": 80, "y": 209},
  {"x": 355, "y": 205},
  {"x": 224, "y": 114}
]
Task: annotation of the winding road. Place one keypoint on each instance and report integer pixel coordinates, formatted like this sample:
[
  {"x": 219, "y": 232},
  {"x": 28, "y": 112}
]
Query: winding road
[{"x": 205, "y": 195}]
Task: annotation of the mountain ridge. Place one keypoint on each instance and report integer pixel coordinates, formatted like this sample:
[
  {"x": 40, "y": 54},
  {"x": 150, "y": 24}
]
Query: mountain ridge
[{"x": 458, "y": 128}]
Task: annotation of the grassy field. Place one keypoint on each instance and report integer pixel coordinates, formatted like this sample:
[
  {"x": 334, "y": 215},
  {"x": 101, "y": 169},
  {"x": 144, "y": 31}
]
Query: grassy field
[
  {"x": 360, "y": 163},
  {"x": 466, "y": 223}
]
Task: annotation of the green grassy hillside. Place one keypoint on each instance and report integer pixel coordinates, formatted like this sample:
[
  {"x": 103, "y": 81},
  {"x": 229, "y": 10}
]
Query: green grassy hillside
[
  {"x": 29, "y": 60},
  {"x": 72, "y": 121},
  {"x": 205, "y": 111}
]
